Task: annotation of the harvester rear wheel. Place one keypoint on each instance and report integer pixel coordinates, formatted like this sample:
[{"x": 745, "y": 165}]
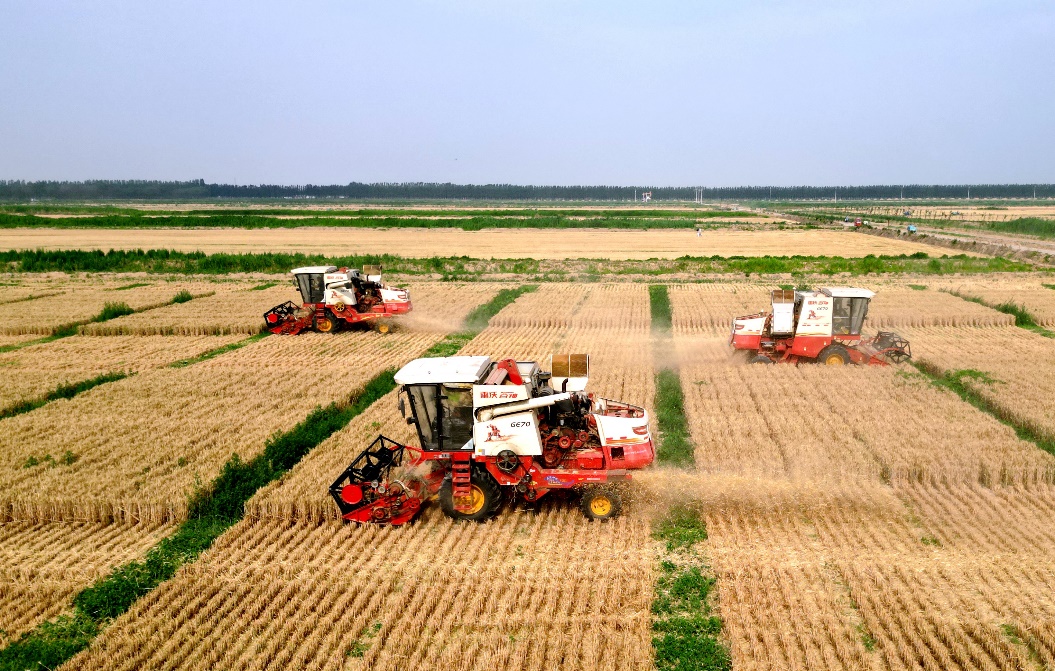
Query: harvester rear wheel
[
  {"x": 383, "y": 327},
  {"x": 760, "y": 358},
  {"x": 834, "y": 355},
  {"x": 486, "y": 498},
  {"x": 601, "y": 503},
  {"x": 325, "y": 324}
]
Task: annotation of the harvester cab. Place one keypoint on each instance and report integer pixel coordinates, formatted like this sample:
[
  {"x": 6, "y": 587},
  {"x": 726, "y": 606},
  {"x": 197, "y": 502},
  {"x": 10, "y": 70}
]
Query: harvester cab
[
  {"x": 490, "y": 430},
  {"x": 823, "y": 326},
  {"x": 334, "y": 296}
]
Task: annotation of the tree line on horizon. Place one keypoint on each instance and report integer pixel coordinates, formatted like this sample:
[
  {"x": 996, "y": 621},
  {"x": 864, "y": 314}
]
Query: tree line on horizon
[{"x": 20, "y": 190}]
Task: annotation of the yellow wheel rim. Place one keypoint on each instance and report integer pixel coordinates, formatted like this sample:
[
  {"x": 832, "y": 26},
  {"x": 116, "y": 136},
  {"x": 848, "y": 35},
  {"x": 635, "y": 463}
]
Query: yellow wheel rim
[
  {"x": 601, "y": 505},
  {"x": 325, "y": 325},
  {"x": 382, "y": 328},
  {"x": 834, "y": 360},
  {"x": 476, "y": 500}
]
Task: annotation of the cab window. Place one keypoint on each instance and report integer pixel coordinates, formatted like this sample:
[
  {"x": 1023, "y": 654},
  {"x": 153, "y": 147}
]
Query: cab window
[{"x": 444, "y": 415}]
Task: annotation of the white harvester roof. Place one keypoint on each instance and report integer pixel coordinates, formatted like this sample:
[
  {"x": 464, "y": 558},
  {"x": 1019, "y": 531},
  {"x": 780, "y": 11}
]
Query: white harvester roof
[
  {"x": 449, "y": 369},
  {"x": 847, "y": 292},
  {"x": 313, "y": 269}
]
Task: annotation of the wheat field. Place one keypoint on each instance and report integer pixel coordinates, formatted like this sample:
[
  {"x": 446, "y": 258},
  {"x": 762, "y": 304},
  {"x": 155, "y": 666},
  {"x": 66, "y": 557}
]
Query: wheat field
[
  {"x": 79, "y": 303},
  {"x": 34, "y": 371},
  {"x": 549, "y": 612},
  {"x": 43, "y": 564},
  {"x": 140, "y": 444},
  {"x": 857, "y": 518},
  {"x": 491, "y": 243}
]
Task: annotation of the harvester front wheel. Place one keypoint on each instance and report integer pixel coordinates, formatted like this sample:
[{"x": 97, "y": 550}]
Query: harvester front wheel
[
  {"x": 326, "y": 324},
  {"x": 486, "y": 498},
  {"x": 601, "y": 503},
  {"x": 834, "y": 355}
]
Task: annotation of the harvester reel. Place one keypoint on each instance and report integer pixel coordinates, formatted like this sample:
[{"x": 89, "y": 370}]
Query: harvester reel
[{"x": 893, "y": 346}]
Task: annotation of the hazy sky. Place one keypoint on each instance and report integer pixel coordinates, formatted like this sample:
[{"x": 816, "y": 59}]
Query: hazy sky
[{"x": 667, "y": 93}]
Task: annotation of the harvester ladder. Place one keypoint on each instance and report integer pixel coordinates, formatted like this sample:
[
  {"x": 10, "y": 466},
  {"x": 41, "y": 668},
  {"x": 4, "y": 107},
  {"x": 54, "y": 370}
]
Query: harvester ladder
[{"x": 461, "y": 477}]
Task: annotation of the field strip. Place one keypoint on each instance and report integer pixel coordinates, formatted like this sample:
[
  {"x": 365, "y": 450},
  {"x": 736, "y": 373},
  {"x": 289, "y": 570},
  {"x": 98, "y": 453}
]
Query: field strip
[
  {"x": 43, "y": 565},
  {"x": 34, "y": 372},
  {"x": 1023, "y": 318},
  {"x": 212, "y": 511},
  {"x": 491, "y": 243},
  {"x": 66, "y": 311},
  {"x": 1010, "y": 370}
]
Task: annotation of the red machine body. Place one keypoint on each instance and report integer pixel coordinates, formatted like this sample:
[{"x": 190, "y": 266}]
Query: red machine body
[
  {"x": 822, "y": 326},
  {"x": 333, "y": 297},
  {"x": 505, "y": 434}
]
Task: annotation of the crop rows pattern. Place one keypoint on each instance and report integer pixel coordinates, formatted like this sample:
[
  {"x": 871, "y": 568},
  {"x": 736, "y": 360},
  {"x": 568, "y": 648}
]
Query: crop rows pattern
[
  {"x": 31, "y": 372},
  {"x": 520, "y": 591}
]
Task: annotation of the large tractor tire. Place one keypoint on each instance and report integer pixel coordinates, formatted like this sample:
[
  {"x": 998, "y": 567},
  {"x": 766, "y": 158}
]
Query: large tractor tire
[
  {"x": 486, "y": 497},
  {"x": 601, "y": 502},
  {"x": 326, "y": 324},
  {"x": 834, "y": 355}
]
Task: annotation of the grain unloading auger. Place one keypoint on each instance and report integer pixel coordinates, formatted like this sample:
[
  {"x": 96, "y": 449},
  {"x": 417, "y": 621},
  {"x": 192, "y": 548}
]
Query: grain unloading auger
[
  {"x": 491, "y": 430},
  {"x": 822, "y": 326},
  {"x": 334, "y": 296}
]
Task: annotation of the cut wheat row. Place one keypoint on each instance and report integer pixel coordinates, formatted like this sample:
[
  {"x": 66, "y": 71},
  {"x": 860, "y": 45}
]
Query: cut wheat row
[
  {"x": 34, "y": 371},
  {"x": 82, "y": 303},
  {"x": 43, "y": 565}
]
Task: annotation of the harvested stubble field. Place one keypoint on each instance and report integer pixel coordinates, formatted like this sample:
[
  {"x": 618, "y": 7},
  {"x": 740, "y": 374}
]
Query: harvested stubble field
[
  {"x": 519, "y": 592},
  {"x": 32, "y": 372},
  {"x": 491, "y": 243},
  {"x": 80, "y": 303},
  {"x": 1018, "y": 368},
  {"x": 43, "y": 564},
  {"x": 1033, "y": 295}
]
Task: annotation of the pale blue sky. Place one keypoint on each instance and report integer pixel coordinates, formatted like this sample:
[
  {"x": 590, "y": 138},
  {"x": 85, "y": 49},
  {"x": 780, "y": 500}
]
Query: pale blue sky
[{"x": 667, "y": 93}]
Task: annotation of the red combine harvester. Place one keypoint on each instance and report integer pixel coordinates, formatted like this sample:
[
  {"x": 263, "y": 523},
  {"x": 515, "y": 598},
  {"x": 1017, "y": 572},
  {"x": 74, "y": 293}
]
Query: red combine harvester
[
  {"x": 334, "y": 296},
  {"x": 821, "y": 326},
  {"x": 492, "y": 428}
]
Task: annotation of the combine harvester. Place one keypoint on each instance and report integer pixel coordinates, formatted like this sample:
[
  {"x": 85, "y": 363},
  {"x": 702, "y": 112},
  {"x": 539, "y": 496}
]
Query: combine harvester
[
  {"x": 491, "y": 430},
  {"x": 822, "y": 326},
  {"x": 334, "y": 296}
]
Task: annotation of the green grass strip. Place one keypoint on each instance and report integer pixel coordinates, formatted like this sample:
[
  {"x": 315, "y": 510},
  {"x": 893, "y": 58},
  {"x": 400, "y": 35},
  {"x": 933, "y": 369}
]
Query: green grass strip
[
  {"x": 265, "y": 285},
  {"x": 212, "y": 512},
  {"x": 223, "y": 349},
  {"x": 675, "y": 446},
  {"x": 1023, "y": 317},
  {"x": 659, "y": 305},
  {"x": 675, "y": 442},
  {"x": 477, "y": 319},
  {"x": 957, "y": 382},
  {"x": 62, "y": 391},
  {"x": 686, "y": 633}
]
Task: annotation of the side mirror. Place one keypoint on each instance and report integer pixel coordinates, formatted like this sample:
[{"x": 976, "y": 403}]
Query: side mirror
[{"x": 402, "y": 406}]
